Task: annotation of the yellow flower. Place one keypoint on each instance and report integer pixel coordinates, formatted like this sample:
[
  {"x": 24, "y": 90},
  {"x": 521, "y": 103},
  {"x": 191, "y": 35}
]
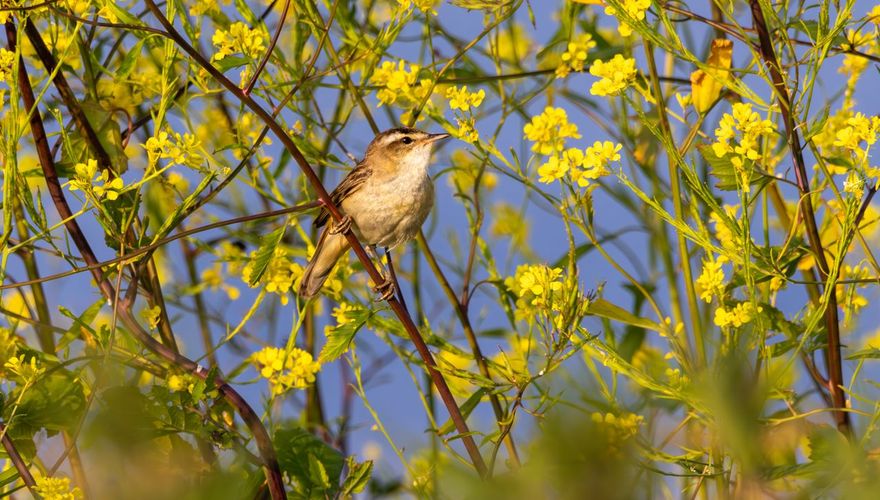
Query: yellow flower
[
  {"x": 426, "y": 6},
  {"x": 575, "y": 56},
  {"x": 616, "y": 75},
  {"x": 508, "y": 221},
  {"x": 596, "y": 160},
  {"x": 239, "y": 38},
  {"x": 739, "y": 315},
  {"x": 341, "y": 313},
  {"x": 552, "y": 169},
  {"x": 7, "y": 66},
  {"x": 280, "y": 275},
  {"x": 397, "y": 82},
  {"x": 56, "y": 488},
  {"x": 460, "y": 98},
  {"x": 634, "y": 9},
  {"x": 536, "y": 282},
  {"x": 549, "y": 130},
  {"x": 711, "y": 280},
  {"x": 512, "y": 44},
  {"x": 176, "y": 383},
  {"x": 295, "y": 370},
  {"x": 467, "y": 130},
  {"x": 738, "y": 135}
]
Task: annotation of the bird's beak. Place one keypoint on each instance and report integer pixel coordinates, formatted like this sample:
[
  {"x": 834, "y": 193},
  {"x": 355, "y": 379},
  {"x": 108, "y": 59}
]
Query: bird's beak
[{"x": 436, "y": 137}]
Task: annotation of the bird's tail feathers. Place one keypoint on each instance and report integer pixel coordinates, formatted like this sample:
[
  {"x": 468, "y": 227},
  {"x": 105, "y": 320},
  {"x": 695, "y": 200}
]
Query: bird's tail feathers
[{"x": 329, "y": 249}]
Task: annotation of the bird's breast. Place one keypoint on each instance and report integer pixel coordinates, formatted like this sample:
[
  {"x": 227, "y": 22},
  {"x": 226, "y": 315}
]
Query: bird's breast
[{"x": 389, "y": 211}]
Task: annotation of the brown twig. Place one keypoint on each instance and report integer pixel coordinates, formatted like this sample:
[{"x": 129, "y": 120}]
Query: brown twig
[
  {"x": 324, "y": 197},
  {"x": 832, "y": 354},
  {"x": 250, "y": 85},
  {"x": 18, "y": 461}
]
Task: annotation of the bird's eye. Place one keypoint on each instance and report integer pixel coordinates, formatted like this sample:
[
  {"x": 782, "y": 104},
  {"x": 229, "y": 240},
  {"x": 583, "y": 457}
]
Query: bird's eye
[{"x": 406, "y": 140}]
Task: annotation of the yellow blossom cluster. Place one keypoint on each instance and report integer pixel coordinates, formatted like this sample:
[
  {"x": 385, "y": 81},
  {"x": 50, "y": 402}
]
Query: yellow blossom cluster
[
  {"x": 617, "y": 430},
  {"x": 182, "y": 150},
  {"x": 583, "y": 165},
  {"x": 280, "y": 274},
  {"x": 575, "y": 56},
  {"x": 738, "y": 138},
  {"x": 711, "y": 280},
  {"x": 465, "y": 169},
  {"x": 725, "y": 236},
  {"x": 511, "y": 44},
  {"x": 285, "y": 371},
  {"x": 239, "y": 38},
  {"x": 426, "y": 6},
  {"x": 101, "y": 186},
  {"x": 536, "y": 287},
  {"x": 7, "y": 66},
  {"x": 25, "y": 368},
  {"x": 549, "y": 130},
  {"x": 467, "y": 130},
  {"x": 508, "y": 222},
  {"x": 399, "y": 84},
  {"x": 56, "y": 488},
  {"x": 736, "y": 316},
  {"x": 202, "y": 7},
  {"x": 634, "y": 8},
  {"x": 461, "y": 98},
  {"x": 615, "y": 75}
]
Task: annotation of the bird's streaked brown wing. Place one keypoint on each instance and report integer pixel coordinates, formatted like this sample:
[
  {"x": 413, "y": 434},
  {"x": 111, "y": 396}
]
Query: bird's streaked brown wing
[{"x": 351, "y": 183}]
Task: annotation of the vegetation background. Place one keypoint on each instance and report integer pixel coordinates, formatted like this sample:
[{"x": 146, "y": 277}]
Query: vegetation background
[{"x": 650, "y": 271}]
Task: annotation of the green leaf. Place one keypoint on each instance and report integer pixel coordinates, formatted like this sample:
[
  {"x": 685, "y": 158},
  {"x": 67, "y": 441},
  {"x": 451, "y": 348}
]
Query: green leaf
[
  {"x": 466, "y": 408},
  {"x": 340, "y": 337},
  {"x": 358, "y": 476},
  {"x": 264, "y": 254},
  {"x": 318, "y": 473},
  {"x": 605, "y": 309},
  {"x": 128, "y": 63},
  {"x": 231, "y": 62},
  {"x": 867, "y": 353},
  {"x": 296, "y": 448},
  {"x": 723, "y": 170}
]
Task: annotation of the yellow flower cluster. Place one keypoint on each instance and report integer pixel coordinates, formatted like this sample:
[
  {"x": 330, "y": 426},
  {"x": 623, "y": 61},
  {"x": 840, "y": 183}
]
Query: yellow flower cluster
[
  {"x": 26, "y": 369},
  {"x": 615, "y": 75},
  {"x": 737, "y": 316},
  {"x": 7, "y": 66},
  {"x": 508, "y": 221},
  {"x": 426, "y": 6},
  {"x": 549, "y": 130},
  {"x": 465, "y": 169},
  {"x": 342, "y": 311},
  {"x": 100, "y": 186},
  {"x": 399, "y": 84},
  {"x": 183, "y": 150},
  {"x": 512, "y": 43},
  {"x": 856, "y": 130},
  {"x": 467, "y": 130},
  {"x": 202, "y": 7},
  {"x": 738, "y": 136},
  {"x": 584, "y": 166},
  {"x": 615, "y": 430},
  {"x": 280, "y": 274},
  {"x": 575, "y": 56},
  {"x": 460, "y": 98},
  {"x": 239, "y": 39},
  {"x": 536, "y": 287},
  {"x": 725, "y": 236},
  {"x": 634, "y": 8},
  {"x": 56, "y": 488},
  {"x": 711, "y": 280},
  {"x": 284, "y": 371}
]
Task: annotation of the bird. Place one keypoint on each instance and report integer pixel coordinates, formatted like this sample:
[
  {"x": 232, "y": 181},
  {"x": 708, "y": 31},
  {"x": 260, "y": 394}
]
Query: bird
[{"x": 384, "y": 200}]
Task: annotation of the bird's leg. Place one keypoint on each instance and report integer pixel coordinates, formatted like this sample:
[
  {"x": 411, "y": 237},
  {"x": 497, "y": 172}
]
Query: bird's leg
[
  {"x": 393, "y": 275},
  {"x": 386, "y": 289},
  {"x": 342, "y": 226}
]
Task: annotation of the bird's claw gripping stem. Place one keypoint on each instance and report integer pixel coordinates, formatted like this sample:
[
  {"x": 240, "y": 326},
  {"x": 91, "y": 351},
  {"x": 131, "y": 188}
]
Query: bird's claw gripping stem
[{"x": 342, "y": 226}]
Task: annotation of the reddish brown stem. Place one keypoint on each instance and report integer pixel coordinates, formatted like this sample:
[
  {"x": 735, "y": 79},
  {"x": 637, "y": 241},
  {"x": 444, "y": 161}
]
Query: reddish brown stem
[
  {"x": 18, "y": 461},
  {"x": 832, "y": 326}
]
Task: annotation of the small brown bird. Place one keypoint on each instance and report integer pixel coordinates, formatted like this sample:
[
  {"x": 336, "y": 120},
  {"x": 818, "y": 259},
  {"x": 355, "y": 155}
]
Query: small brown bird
[{"x": 385, "y": 200}]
